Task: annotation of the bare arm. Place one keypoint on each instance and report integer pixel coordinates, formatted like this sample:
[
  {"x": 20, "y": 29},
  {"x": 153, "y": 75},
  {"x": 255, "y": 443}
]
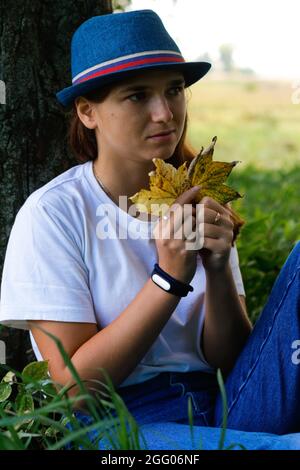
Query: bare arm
[
  {"x": 226, "y": 325},
  {"x": 118, "y": 347}
]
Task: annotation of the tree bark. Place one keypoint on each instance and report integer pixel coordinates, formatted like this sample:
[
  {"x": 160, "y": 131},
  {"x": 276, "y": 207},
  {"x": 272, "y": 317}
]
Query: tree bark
[{"x": 35, "y": 41}]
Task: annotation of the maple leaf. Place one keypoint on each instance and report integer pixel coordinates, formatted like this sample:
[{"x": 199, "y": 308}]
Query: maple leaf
[{"x": 168, "y": 182}]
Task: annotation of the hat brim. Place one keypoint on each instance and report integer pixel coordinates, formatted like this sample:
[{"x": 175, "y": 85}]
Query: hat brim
[{"x": 192, "y": 71}]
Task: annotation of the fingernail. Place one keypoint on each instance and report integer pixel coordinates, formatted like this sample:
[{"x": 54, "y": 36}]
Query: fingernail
[{"x": 196, "y": 188}]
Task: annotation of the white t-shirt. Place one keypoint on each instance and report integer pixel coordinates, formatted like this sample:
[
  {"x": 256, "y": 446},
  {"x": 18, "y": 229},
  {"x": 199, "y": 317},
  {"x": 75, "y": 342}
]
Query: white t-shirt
[{"x": 59, "y": 266}]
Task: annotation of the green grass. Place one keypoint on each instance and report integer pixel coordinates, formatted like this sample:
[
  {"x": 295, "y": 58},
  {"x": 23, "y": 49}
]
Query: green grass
[
  {"x": 35, "y": 414},
  {"x": 257, "y": 124},
  {"x": 270, "y": 207}
]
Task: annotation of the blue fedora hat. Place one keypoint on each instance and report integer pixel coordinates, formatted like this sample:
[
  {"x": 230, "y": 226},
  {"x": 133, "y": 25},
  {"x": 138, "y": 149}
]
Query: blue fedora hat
[{"x": 109, "y": 48}]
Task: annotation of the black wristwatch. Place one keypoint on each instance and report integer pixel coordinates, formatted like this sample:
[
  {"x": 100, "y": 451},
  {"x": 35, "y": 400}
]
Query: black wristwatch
[{"x": 169, "y": 283}]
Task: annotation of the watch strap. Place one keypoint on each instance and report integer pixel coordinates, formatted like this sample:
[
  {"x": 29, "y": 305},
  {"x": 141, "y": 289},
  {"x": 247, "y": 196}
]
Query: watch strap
[{"x": 168, "y": 283}]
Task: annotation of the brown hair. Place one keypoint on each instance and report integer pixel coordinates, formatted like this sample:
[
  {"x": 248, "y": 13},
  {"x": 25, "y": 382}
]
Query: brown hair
[{"x": 84, "y": 146}]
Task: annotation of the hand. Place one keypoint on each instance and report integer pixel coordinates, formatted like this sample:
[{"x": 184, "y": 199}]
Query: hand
[
  {"x": 174, "y": 255},
  {"x": 217, "y": 236}
]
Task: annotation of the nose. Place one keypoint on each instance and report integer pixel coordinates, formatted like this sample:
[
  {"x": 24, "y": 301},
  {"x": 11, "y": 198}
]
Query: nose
[{"x": 160, "y": 110}]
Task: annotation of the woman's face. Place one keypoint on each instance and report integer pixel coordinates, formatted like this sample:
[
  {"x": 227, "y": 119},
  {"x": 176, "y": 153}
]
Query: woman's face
[{"x": 137, "y": 110}]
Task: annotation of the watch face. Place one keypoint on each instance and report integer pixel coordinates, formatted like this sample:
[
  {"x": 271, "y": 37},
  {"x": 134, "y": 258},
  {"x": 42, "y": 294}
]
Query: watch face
[{"x": 161, "y": 282}]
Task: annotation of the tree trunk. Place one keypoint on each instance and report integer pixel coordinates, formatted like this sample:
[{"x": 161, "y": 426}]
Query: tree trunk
[{"x": 34, "y": 64}]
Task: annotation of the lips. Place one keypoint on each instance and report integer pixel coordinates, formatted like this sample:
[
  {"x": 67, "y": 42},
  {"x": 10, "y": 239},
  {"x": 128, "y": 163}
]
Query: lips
[{"x": 162, "y": 133}]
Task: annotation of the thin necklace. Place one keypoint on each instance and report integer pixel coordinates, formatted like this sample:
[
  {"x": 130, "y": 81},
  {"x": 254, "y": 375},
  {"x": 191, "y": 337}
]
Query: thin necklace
[{"x": 107, "y": 192}]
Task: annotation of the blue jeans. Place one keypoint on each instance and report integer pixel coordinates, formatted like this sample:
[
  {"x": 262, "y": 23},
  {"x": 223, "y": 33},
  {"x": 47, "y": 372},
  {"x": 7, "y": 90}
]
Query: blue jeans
[{"x": 263, "y": 388}]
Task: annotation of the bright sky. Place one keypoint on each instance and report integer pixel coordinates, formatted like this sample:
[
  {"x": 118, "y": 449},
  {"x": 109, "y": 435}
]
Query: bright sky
[{"x": 265, "y": 34}]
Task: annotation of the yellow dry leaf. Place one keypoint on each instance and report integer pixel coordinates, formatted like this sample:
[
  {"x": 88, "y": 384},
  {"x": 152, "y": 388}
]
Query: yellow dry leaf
[{"x": 168, "y": 182}]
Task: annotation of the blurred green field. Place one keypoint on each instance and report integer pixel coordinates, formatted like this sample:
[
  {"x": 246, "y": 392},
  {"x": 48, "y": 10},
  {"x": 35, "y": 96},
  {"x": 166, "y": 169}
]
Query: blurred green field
[{"x": 257, "y": 124}]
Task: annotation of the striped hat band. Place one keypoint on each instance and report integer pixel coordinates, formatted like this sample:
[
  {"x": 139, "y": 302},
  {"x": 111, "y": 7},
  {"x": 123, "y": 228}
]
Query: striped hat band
[{"x": 126, "y": 62}]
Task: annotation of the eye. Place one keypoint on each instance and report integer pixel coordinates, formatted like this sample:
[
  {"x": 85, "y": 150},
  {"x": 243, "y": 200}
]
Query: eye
[
  {"x": 142, "y": 95},
  {"x": 137, "y": 96},
  {"x": 176, "y": 90}
]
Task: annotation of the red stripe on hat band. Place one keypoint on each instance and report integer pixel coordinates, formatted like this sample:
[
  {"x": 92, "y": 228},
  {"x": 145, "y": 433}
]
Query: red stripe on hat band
[{"x": 130, "y": 64}]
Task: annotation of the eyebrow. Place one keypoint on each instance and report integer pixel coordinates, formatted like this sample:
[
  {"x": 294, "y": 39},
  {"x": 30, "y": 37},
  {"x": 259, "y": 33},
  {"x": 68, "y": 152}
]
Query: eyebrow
[{"x": 178, "y": 82}]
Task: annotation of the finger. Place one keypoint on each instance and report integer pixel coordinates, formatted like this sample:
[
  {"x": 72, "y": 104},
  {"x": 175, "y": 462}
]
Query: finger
[
  {"x": 215, "y": 246},
  {"x": 180, "y": 221},
  {"x": 188, "y": 227},
  {"x": 181, "y": 209},
  {"x": 176, "y": 218},
  {"x": 187, "y": 210},
  {"x": 194, "y": 240},
  {"x": 188, "y": 196},
  {"x": 215, "y": 232},
  {"x": 210, "y": 216},
  {"x": 214, "y": 205},
  {"x": 193, "y": 232}
]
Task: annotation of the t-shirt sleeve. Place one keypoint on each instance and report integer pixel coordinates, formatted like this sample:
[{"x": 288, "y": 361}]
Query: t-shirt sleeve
[
  {"x": 44, "y": 274},
  {"x": 236, "y": 272}
]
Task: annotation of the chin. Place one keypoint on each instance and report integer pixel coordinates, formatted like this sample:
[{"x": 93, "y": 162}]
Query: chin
[{"x": 164, "y": 154}]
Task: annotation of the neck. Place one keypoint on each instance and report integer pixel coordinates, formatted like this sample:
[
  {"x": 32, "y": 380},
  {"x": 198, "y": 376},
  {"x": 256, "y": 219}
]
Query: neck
[{"x": 123, "y": 181}]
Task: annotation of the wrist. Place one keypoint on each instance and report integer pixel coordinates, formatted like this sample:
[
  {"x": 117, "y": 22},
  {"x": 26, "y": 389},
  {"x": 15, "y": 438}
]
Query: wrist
[
  {"x": 179, "y": 275},
  {"x": 218, "y": 270},
  {"x": 168, "y": 283}
]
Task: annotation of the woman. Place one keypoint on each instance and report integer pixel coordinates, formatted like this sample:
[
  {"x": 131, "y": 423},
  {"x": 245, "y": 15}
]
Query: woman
[{"x": 87, "y": 274}]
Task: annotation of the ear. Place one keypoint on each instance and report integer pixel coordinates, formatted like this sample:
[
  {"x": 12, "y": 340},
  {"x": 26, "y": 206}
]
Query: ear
[{"x": 86, "y": 112}]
